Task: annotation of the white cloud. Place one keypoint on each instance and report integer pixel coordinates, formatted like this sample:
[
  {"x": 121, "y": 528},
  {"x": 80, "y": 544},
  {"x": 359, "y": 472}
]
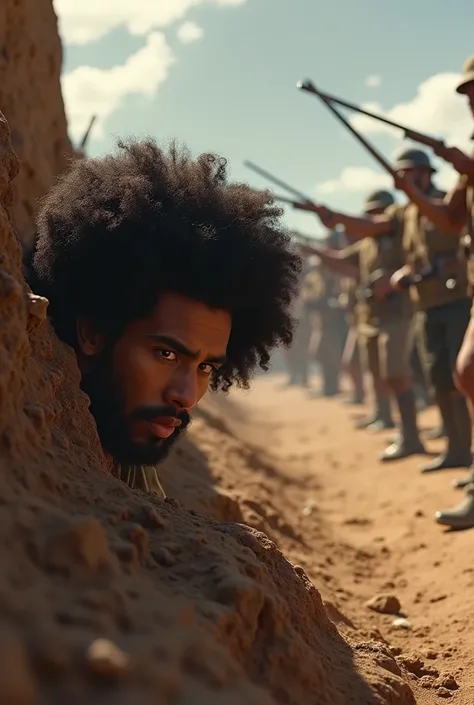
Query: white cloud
[
  {"x": 436, "y": 110},
  {"x": 84, "y": 21},
  {"x": 355, "y": 179},
  {"x": 189, "y": 32},
  {"x": 89, "y": 90},
  {"x": 373, "y": 81}
]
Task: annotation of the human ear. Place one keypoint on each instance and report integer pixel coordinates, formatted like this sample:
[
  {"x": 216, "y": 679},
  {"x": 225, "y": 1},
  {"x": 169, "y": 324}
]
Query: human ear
[{"x": 90, "y": 342}]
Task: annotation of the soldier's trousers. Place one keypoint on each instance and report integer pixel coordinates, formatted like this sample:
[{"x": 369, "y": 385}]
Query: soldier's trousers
[
  {"x": 419, "y": 358},
  {"x": 298, "y": 354},
  {"x": 330, "y": 349},
  {"x": 387, "y": 350},
  {"x": 445, "y": 327}
]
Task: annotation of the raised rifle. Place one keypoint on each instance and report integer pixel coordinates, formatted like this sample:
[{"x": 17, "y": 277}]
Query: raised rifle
[
  {"x": 309, "y": 86},
  {"x": 301, "y": 198},
  {"x": 408, "y": 133},
  {"x": 85, "y": 139}
]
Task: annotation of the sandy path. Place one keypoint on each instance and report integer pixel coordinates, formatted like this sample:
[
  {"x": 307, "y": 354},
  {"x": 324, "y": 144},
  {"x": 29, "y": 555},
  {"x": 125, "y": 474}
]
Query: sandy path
[{"x": 378, "y": 535}]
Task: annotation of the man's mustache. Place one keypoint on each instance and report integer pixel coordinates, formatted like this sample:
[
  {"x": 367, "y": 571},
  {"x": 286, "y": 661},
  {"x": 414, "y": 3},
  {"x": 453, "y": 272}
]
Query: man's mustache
[{"x": 151, "y": 413}]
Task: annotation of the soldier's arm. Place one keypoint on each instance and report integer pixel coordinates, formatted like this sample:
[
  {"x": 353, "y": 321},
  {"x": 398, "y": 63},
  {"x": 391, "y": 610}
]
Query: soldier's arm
[
  {"x": 358, "y": 228},
  {"x": 338, "y": 261},
  {"x": 448, "y": 214},
  {"x": 463, "y": 164},
  {"x": 371, "y": 226},
  {"x": 398, "y": 278}
]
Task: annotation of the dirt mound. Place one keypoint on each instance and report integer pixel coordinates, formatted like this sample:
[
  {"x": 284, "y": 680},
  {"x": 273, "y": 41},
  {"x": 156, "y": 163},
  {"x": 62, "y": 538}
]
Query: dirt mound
[
  {"x": 108, "y": 595},
  {"x": 30, "y": 98}
]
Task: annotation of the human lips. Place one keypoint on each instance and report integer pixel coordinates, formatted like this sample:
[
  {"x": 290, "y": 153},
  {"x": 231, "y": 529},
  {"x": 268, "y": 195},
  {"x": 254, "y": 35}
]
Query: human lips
[{"x": 164, "y": 427}]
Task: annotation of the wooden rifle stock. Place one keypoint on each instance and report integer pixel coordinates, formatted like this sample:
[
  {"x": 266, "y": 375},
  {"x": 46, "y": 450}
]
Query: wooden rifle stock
[
  {"x": 308, "y": 86},
  {"x": 408, "y": 133},
  {"x": 278, "y": 182}
]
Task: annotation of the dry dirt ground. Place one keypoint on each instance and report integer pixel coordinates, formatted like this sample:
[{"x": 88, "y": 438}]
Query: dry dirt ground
[{"x": 360, "y": 528}]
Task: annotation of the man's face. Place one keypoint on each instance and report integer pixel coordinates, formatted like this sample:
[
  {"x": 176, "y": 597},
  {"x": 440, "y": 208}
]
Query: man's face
[
  {"x": 144, "y": 387},
  {"x": 421, "y": 177}
]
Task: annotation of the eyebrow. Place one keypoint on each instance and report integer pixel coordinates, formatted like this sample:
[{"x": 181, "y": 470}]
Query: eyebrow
[{"x": 179, "y": 347}]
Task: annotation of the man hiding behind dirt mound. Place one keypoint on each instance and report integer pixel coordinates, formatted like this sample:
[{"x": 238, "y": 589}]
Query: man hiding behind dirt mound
[{"x": 166, "y": 280}]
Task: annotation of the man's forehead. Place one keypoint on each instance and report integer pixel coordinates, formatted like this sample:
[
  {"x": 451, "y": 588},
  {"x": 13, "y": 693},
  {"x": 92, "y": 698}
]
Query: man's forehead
[{"x": 179, "y": 311}]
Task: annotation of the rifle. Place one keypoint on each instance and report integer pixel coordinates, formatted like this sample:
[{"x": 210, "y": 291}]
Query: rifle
[
  {"x": 308, "y": 86},
  {"x": 286, "y": 187},
  {"x": 83, "y": 142},
  {"x": 283, "y": 199},
  {"x": 408, "y": 133}
]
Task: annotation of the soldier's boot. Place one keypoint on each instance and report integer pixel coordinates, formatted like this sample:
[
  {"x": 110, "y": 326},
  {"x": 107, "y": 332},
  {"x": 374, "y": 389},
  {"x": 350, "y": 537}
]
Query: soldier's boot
[
  {"x": 422, "y": 398},
  {"x": 463, "y": 482},
  {"x": 408, "y": 442},
  {"x": 437, "y": 432},
  {"x": 382, "y": 419},
  {"x": 356, "y": 398},
  {"x": 461, "y": 516},
  {"x": 457, "y": 422}
]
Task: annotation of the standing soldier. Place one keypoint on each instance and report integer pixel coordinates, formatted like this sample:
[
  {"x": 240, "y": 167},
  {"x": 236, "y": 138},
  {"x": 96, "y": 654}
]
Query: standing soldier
[
  {"x": 387, "y": 313},
  {"x": 351, "y": 359},
  {"x": 298, "y": 355},
  {"x": 333, "y": 327},
  {"x": 348, "y": 264},
  {"x": 453, "y": 214},
  {"x": 433, "y": 260}
]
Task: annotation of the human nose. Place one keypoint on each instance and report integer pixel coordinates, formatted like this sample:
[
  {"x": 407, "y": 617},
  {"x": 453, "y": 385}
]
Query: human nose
[{"x": 182, "y": 390}]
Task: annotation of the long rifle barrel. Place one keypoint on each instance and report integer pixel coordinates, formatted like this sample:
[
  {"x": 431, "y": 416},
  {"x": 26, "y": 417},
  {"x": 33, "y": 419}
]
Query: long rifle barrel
[
  {"x": 83, "y": 142},
  {"x": 410, "y": 134},
  {"x": 283, "y": 199},
  {"x": 308, "y": 86},
  {"x": 278, "y": 182}
]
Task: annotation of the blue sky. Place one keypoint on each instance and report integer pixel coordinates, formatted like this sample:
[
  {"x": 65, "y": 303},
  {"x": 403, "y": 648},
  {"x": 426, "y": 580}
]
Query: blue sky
[{"x": 233, "y": 89}]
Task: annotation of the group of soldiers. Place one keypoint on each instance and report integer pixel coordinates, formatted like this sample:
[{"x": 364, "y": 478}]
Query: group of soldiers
[{"x": 401, "y": 291}]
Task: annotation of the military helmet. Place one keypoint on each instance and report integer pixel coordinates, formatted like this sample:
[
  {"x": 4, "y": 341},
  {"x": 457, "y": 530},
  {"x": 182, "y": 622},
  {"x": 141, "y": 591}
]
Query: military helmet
[
  {"x": 378, "y": 199},
  {"x": 413, "y": 158},
  {"x": 467, "y": 75}
]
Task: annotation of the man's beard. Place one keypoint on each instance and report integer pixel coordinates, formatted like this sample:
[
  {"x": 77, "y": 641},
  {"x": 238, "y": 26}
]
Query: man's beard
[{"x": 115, "y": 430}]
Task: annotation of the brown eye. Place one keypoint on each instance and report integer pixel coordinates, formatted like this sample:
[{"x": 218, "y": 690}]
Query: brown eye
[{"x": 168, "y": 355}]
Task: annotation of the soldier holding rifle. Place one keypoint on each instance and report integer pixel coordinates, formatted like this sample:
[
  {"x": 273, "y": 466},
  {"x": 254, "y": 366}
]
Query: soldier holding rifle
[
  {"x": 373, "y": 343},
  {"x": 327, "y": 304},
  {"x": 454, "y": 213},
  {"x": 439, "y": 277},
  {"x": 387, "y": 313}
]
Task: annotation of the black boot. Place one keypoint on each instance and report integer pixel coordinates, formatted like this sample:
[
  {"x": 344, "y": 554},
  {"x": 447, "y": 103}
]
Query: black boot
[
  {"x": 382, "y": 419},
  {"x": 463, "y": 482},
  {"x": 385, "y": 420},
  {"x": 461, "y": 516},
  {"x": 408, "y": 443},
  {"x": 457, "y": 423},
  {"x": 437, "y": 432}
]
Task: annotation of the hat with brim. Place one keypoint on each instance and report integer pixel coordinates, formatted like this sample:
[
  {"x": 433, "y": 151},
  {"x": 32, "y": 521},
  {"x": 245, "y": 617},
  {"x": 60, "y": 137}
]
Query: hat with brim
[
  {"x": 467, "y": 75},
  {"x": 374, "y": 206},
  {"x": 406, "y": 164},
  {"x": 378, "y": 200}
]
